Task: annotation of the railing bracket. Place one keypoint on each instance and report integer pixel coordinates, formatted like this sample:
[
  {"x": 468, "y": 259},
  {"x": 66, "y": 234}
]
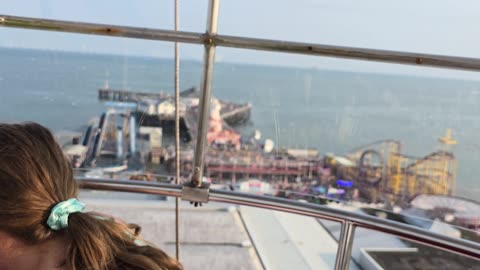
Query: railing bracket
[{"x": 196, "y": 194}]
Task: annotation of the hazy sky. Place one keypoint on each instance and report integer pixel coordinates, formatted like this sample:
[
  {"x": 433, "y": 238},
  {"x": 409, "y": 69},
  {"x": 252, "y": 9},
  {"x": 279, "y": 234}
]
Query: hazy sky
[{"x": 448, "y": 27}]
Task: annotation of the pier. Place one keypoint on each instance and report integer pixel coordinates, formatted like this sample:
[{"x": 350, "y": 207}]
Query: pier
[
  {"x": 231, "y": 113},
  {"x": 374, "y": 172},
  {"x": 106, "y": 94}
]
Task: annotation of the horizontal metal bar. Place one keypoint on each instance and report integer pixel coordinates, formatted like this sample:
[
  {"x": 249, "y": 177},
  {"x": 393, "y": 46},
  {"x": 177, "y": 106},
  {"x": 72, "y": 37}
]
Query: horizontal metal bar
[
  {"x": 397, "y": 57},
  {"x": 404, "y": 231},
  {"x": 100, "y": 29}
]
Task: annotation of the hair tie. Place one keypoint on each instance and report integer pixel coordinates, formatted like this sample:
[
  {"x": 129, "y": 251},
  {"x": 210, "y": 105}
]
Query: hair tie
[{"x": 58, "y": 218}]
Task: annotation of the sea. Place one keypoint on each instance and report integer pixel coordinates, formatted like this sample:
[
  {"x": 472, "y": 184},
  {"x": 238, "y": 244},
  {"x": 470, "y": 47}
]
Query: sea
[{"x": 332, "y": 111}]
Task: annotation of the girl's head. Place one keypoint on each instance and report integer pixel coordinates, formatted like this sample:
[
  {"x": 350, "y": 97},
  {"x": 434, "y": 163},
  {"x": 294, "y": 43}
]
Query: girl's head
[{"x": 35, "y": 177}]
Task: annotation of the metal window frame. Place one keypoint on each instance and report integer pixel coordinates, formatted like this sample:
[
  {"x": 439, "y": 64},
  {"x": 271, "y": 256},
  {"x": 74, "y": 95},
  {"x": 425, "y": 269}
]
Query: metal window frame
[
  {"x": 177, "y": 129},
  {"x": 394, "y": 57},
  {"x": 205, "y": 94}
]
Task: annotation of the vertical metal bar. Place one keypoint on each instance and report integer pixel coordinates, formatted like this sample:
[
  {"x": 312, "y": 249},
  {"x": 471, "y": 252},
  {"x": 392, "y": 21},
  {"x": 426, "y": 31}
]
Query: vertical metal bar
[
  {"x": 177, "y": 136},
  {"x": 206, "y": 86},
  {"x": 345, "y": 243}
]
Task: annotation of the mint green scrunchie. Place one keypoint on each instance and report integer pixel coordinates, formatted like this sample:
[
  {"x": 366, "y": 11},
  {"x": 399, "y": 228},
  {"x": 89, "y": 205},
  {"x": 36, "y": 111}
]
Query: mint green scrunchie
[{"x": 58, "y": 218}]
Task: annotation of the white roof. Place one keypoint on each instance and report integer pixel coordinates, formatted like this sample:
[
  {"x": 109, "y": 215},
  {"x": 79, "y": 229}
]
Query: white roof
[
  {"x": 344, "y": 161},
  {"x": 76, "y": 149},
  {"x": 462, "y": 207}
]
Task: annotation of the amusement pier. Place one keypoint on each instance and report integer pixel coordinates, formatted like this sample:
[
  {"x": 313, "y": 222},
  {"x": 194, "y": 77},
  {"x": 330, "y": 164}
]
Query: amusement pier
[{"x": 134, "y": 138}]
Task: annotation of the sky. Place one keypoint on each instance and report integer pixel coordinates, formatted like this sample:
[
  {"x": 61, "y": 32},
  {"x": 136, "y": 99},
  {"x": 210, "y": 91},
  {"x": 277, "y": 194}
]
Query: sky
[{"x": 448, "y": 27}]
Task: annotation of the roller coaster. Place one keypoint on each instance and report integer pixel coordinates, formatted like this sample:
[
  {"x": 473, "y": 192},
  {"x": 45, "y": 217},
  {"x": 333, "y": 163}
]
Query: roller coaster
[{"x": 382, "y": 172}]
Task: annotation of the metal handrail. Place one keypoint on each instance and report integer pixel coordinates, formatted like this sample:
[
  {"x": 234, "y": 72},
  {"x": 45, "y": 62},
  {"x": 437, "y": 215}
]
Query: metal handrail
[
  {"x": 408, "y": 58},
  {"x": 350, "y": 219}
]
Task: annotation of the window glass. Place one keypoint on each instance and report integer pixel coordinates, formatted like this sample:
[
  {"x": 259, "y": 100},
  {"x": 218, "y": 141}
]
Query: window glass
[
  {"x": 143, "y": 13},
  {"x": 392, "y": 141},
  {"x": 381, "y": 139},
  {"x": 432, "y": 26}
]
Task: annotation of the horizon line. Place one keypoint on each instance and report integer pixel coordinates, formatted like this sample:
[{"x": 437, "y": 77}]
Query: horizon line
[{"x": 199, "y": 61}]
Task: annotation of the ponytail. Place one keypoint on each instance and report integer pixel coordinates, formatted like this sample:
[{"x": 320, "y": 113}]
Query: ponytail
[{"x": 104, "y": 244}]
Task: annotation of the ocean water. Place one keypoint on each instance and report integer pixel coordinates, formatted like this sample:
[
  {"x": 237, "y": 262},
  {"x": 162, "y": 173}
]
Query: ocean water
[{"x": 331, "y": 111}]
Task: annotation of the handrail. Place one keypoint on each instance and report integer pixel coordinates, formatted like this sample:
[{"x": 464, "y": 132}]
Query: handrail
[
  {"x": 408, "y": 58},
  {"x": 404, "y": 231}
]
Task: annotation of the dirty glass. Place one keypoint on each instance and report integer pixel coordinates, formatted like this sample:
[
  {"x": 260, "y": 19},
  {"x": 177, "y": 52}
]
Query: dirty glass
[
  {"x": 366, "y": 24},
  {"x": 389, "y": 119},
  {"x": 142, "y": 13},
  {"x": 391, "y": 141}
]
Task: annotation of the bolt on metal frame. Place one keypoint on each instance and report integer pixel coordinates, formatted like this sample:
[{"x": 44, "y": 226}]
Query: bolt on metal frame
[{"x": 211, "y": 39}]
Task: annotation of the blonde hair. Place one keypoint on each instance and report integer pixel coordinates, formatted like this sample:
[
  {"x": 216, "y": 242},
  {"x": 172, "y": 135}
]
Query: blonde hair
[{"x": 34, "y": 177}]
